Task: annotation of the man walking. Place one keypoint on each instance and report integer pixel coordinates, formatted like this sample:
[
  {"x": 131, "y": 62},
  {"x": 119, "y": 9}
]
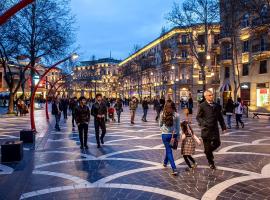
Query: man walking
[
  {"x": 157, "y": 107},
  {"x": 56, "y": 111},
  {"x": 65, "y": 103},
  {"x": 209, "y": 115},
  {"x": 99, "y": 111},
  {"x": 72, "y": 106},
  {"x": 145, "y": 108},
  {"x": 132, "y": 107},
  {"x": 82, "y": 116}
]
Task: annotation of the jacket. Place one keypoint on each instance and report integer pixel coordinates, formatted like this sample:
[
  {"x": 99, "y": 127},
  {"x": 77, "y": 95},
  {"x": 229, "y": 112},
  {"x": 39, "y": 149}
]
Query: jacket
[
  {"x": 98, "y": 109},
  {"x": 156, "y": 104},
  {"x": 82, "y": 114},
  {"x": 145, "y": 104},
  {"x": 229, "y": 108},
  {"x": 174, "y": 128},
  {"x": 56, "y": 108},
  {"x": 118, "y": 107},
  {"x": 133, "y": 105},
  {"x": 239, "y": 108},
  {"x": 208, "y": 117}
]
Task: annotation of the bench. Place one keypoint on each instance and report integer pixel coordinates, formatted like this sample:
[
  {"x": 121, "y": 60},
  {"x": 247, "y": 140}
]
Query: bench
[{"x": 257, "y": 114}]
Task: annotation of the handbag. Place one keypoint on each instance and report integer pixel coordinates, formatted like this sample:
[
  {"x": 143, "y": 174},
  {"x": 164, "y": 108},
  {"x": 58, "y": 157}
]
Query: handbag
[{"x": 174, "y": 142}]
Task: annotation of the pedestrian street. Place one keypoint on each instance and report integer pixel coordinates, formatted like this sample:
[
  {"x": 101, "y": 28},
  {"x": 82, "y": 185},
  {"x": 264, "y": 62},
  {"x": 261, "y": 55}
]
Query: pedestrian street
[{"x": 129, "y": 164}]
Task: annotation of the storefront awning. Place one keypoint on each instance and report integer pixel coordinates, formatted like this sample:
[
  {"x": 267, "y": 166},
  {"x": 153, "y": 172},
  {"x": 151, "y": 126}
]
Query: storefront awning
[{"x": 225, "y": 87}]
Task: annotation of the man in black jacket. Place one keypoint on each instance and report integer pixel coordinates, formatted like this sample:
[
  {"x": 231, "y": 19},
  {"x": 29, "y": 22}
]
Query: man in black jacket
[
  {"x": 145, "y": 108},
  {"x": 99, "y": 111},
  {"x": 72, "y": 107},
  {"x": 56, "y": 111},
  {"x": 82, "y": 117},
  {"x": 209, "y": 114}
]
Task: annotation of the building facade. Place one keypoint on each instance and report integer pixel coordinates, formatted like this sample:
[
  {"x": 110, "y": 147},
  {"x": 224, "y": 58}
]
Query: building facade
[
  {"x": 167, "y": 66},
  {"x": 97, "y": 76},
  {"x": 245, "y": 53}
]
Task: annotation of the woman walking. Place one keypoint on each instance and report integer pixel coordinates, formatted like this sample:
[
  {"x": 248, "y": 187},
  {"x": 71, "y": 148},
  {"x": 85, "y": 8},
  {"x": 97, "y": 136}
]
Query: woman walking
[
  {"x": 119, "y": 108},
  {"x": 190, "y": 107},
  {"x": 229, "y": 110},
  {"x": 239, "y": 112},
  {"x": 169, "y": 124}
]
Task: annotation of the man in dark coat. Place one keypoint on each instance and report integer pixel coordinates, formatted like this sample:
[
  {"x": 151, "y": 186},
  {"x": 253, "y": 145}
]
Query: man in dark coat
[
  {"x": 72, "y": 106},
  {"x": 209, "y": 115},
  {"x": 65, "y": 103},
  {"x": 145, "y": 108},
  {"x": 82, "y": 116},
  {"x": 56, "y": 111},
  {"x": 99, "y": 111}
]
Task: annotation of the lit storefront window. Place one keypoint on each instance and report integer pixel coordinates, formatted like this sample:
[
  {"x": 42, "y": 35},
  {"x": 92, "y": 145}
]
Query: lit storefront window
[{"x": 263, "y": 97}]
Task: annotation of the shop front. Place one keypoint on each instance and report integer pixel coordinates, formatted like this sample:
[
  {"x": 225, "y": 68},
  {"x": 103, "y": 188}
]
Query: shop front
[
  {"x": 263, "y": 96},
  {"x": 245, "y": 93}
]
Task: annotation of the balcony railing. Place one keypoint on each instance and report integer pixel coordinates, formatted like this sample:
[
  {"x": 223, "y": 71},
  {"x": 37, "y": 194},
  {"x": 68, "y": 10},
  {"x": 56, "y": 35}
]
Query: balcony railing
[{"x": 260, "y": 48}]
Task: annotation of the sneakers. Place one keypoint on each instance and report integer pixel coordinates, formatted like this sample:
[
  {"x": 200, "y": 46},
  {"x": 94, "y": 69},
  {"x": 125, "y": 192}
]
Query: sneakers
[
  {"x": 243, "y": 125},
  {"x": 164, "y": 165},
  {"x": 194, "y": 166},
  {"x": 188, "y": 169},
  {"x": 174, "y": 172},
  {"x": 98, "y": 146},
  {"x": 212, "y": 166}
]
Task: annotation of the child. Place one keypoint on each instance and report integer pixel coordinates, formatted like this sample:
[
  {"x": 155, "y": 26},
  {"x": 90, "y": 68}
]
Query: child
[
  {"x": 111, "y": 113},
  {"x": 188, "y": 145}
]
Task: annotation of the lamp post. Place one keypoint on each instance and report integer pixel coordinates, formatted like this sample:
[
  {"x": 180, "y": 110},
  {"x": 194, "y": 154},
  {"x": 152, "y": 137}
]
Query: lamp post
[
  {"x": 32, "y": 99},
  {"x": 13, "y": 10}
]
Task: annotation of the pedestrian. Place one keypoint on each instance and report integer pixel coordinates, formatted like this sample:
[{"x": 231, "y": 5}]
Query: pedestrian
[
  {"x": 133, "y": 104},
  {"x": 99, "y": 111},
  {"x": 119, "y": 108},
  {"x": 5, "y": 102},
  {"x": 72, "y": 106},
  {"x": 65, "y": 103},
  {"x": 190, "y": 108},
  {"x": 82, "y": 116},
  {"x": 239, "y": 108},
  {"x": 111, "y": 113},
  {"x": 229, "y": 110},
  {"x": 185, "y": 109},
  {"x": 169, "y": 124},
  {"x": 208, "y": 117},
  {"x": 162, "y": 103},
  {"x": 145, "y": 108},
  {"x": 56, "y": 111},
  {"x": 157, "y": 107},
  {"x": 188, "y": 145}
]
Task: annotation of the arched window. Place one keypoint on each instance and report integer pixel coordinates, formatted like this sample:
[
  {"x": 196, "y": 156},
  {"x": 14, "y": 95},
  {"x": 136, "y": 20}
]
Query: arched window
[{"x": 245, "y": 20}]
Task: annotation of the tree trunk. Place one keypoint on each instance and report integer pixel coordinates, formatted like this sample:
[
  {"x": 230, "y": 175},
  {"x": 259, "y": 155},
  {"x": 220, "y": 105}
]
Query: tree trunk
[{"x": 11, "y": 103}]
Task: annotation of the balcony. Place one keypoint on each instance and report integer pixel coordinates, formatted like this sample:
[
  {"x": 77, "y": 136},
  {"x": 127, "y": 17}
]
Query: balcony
[
  {"x": 226, "y": 59},
  {"x": 225, "y": 37},
  {"x": 261, "y": 52},
  {"x": 260, "y": 23},
  {"x": 215, "y": 82}
]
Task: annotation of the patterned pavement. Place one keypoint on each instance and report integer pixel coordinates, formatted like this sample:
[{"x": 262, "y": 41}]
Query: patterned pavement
[{"x": 129, "y": 165}]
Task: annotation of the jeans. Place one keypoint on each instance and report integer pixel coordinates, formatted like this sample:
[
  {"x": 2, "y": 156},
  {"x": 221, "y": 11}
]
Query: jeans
[
  {"x": 229, "y": 122},
  {"x": 73, "y": 119},
  {"x": 238, "y": 118},
  {"x": 83, "y": 131},
  {"x": 100, "y": 123},
  {"x": 65, "y": 113},
  {"x": 57, "y": 120},
  {"x": 210, "y": 145},
  {"x": 144, "y": 114},
  {"x": 166, "y": 138},
  {"x": 158, "y": 113},
  {"x": 118, "y": 115}
]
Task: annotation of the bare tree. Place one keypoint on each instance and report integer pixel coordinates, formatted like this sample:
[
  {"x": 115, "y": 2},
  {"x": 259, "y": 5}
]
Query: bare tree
[
  {"x": 46, "y": 30},
  {"x": 195, "y": 15}
]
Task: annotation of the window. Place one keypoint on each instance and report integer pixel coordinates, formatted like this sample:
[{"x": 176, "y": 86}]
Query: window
[
  {"x": 1, "y": 80},
  {"x": 263, "y": 44},
  {"x": 216, "y": 38},
  {"x": 227, "y": 72},
  {"x": 184, "y": 39},
  {"x": 245, "y": 70},
  {"x": 264, "y": 11},
  {"x": 201, "y": 40},
  {"x": 184, "y": 54},
  {"x": 263, "y": 67},
  {"x": 245, "y": 20},
  {"x": 246, "y": 46}
]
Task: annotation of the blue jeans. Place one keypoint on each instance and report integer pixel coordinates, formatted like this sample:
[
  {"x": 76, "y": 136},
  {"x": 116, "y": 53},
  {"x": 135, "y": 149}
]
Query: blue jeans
[
  {"x": 166, "y": 138},
  {"x": 57, "y": 120},
  {"x": 229, "y": 122},
  {"x": 144, "y": 114}
]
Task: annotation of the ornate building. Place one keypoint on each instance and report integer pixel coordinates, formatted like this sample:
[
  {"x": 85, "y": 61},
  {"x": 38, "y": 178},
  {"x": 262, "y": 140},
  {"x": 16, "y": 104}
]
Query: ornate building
[
  {"x": 245, "y": 52},
  {"x": 167, "y": 66},
  {"x": 97, "y": 76}
]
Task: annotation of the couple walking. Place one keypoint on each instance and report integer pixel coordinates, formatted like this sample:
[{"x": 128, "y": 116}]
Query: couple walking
[{"x": 208, "y": 117}]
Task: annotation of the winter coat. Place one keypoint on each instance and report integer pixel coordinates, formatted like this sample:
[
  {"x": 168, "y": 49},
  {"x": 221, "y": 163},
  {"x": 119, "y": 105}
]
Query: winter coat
[
  {"x": 229, "y": 108},
  {"x": 145, "y": 104},
  {"x": 208, "y": 117},
  {"x": 99, "y": 109},
  {"x": 82, "y": 114},
  {"x": 133, "y": 105},
  {"x": 56, "y": 109}
]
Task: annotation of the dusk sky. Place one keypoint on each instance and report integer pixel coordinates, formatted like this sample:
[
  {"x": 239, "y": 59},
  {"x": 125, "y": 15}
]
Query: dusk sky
[{"x": 117, "y": 25}]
